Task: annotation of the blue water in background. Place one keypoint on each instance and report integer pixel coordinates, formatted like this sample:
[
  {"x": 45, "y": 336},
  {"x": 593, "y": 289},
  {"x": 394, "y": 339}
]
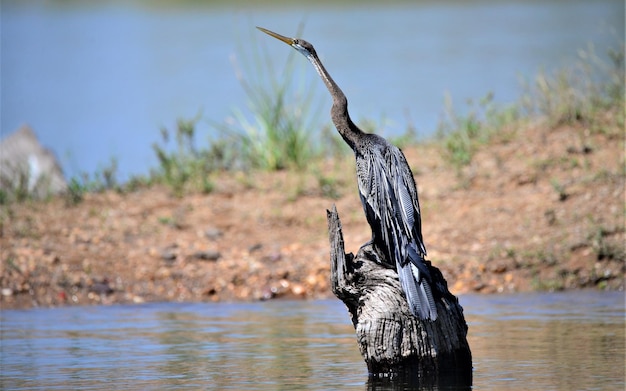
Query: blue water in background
[{"x": 97, "y": 81}]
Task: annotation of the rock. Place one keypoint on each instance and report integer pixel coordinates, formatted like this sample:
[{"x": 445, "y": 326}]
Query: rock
[
  {"x": 25, "y": 165},
  {"x": 213, "y": 233},
  {"x": 168, "y": 255},
  {"x": 208, "y": 255},
  {"x": 255, "y": 247},
  {"x": 101, "y": 288}
]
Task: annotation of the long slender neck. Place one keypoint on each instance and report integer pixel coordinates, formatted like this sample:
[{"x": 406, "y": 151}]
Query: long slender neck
[{"x": 339, "y": 111}]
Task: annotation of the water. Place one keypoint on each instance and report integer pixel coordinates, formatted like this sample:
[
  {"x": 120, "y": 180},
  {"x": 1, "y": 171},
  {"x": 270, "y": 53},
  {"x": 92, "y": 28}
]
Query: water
[
  {"x": 564, "y": 341},
  {"x": 97, "y": 80}
]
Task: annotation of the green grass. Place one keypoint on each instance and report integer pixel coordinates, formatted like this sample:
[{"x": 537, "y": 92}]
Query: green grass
[
  {"x": 185, "y": 167},
  {"x": 604, "y": 246},
  {"x": 283, "y": 126},
  {"x": 105, "y": 178},
  {"x": 581, "y": 92},
  {"x": 590, "y": 92},
  {"x": 278, "y": 130},
  {"x": 280, "y": 127},
  {"x": 15, "y": 189},
  {"x": 462, "y": 135},
  {"x": 560, "y": 189}
]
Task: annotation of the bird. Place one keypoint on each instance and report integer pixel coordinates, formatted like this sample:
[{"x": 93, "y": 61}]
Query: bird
[{"x": 387, "y": 191}]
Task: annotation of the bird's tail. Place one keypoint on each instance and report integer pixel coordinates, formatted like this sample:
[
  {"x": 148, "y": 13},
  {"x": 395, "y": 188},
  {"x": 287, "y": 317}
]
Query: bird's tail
[{"x": 417, "y": 289}]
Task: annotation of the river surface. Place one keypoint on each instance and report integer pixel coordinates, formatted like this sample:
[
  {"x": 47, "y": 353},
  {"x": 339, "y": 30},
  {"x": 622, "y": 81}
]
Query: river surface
[
  {"x": 543, "y": 341},
  {"x": 97, "y": 80}
]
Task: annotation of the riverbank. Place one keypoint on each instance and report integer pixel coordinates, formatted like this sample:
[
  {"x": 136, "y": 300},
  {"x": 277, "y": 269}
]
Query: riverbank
[{"x": 540, "y": 208}]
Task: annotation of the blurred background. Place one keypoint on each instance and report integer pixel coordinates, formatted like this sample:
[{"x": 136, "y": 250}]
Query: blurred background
[
  {"x": 98, "y": 80},
  {"x": 114, "y": 87}
]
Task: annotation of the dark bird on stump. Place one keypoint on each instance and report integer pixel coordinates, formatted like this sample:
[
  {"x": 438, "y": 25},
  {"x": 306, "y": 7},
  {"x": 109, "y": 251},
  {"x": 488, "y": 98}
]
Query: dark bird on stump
[{"x": 388, "y": 194}]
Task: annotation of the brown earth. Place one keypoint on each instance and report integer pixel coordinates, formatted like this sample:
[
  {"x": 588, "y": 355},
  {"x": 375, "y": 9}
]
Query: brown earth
[{"x": 539, "y": 209}]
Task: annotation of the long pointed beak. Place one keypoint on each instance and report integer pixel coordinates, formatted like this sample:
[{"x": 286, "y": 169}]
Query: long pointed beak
[{"x": 287, "y": 40}]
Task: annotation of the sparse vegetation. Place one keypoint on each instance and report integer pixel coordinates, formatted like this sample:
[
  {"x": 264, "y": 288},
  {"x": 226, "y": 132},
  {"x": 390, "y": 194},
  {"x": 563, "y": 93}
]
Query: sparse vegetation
[
  {"x": 591, "y": 92},
  {"x": 282, "y": 123},
  {"x": 102, "y": 180},
  {"x": 19, "y": 184},
  {"x": 461, "y": 135},
  {"x": 583, "y": 93},
  {"x": 605, "y": 244},
  {"x": 280, "y": 127},
  {"x": 15, "y": 189},
  {"x": 75, "y": 192},
  {"x": 560, "y": 189},
  {"x": 185, "y": 167},
  {"x": 541, "y": 209}
]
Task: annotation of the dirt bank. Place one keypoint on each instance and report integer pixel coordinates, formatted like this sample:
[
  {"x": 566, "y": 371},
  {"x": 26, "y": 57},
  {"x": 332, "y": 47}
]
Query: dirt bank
[{"x": 539, "y": 210}]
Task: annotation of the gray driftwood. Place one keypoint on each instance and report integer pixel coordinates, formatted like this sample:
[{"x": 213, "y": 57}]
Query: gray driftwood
[{"x": 394, "y": 343}]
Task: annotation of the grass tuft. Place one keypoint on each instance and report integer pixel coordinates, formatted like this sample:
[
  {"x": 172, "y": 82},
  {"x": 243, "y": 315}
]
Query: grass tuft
[
  {"x": 185, "y": 167},
  {"x": 281, "y": 125},
  {"x": 580, "y": 93},
  {"x": 590, "y": 92},
  {"x": 462, "y": 135}
]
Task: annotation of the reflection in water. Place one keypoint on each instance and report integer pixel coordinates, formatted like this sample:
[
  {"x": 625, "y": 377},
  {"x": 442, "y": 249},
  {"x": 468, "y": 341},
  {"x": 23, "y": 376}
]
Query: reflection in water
[
  {"x": 558, "y": 341},
  {"x": 455, "y": 380},
  {"x": 542, "y": 341}
]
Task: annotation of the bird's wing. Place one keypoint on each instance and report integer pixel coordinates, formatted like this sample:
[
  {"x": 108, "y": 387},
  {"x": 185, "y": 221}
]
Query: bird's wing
[
  {"x": 374, "y": 189},
  {"x": 406, "y": 193},
  {"x": 406, "y": 231},
  {"x": 389, "y": 197}
]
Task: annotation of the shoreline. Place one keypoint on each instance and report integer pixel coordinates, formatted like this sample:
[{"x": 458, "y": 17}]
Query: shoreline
[{"x": 539, "y": 210}]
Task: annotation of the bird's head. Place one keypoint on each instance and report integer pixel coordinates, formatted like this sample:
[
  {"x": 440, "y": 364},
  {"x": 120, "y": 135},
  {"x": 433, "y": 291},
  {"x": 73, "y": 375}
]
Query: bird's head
[{"x": 299, "y": 44}]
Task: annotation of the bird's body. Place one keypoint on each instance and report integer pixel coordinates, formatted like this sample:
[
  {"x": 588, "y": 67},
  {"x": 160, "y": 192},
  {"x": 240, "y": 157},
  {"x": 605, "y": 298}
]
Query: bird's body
[{"x": 388, "y": 194}]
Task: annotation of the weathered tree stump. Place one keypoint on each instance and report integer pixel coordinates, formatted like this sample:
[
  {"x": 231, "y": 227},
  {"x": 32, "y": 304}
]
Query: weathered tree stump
[{"x": 394, "y": 343}]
